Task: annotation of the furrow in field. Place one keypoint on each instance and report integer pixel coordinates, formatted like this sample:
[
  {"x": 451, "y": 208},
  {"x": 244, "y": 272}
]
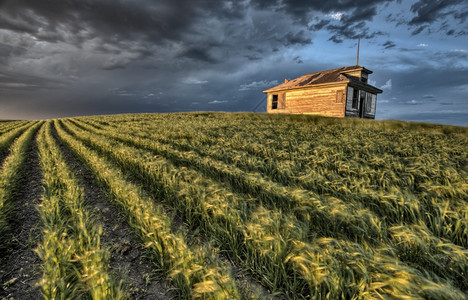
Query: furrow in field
[
  {"x": 248, "y": 288},
  {"x": 7, "y": 139},
  {"x": 362, "y": 148},
  {"x": 432, "y": 211},
  {"x": 75, "y": 265},
  {"x": 322, "y": 148},
  {"x": 355, "y": 223},
  {"x": 396, "y": 205},
  {"x": 20, "y": 189},
  {"x": 209, "y": 168},
  {"x": 126, "y": 259},
  {"x": 207, "y": 209},
  {"x": 453, "y": 268},
  {"x": 257, "y": 243},
  {"x": 193, "y": 272},
  {"x": 8, "y": 126}
]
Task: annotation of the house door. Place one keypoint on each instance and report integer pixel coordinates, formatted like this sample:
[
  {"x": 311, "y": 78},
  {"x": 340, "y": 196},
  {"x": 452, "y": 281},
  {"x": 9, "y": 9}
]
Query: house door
[{"x": 362, "y": 103}]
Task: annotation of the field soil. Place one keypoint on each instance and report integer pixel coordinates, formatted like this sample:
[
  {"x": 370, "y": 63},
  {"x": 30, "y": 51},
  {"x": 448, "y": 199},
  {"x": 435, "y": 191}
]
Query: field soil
[
  {"x": 127, "y": 260},
  {"x": 237, "y": 206},
  {"x": 20, "y": 265}
]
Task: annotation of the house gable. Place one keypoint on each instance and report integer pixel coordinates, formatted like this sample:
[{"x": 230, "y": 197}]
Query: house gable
[{"x": 326, "y": 93}]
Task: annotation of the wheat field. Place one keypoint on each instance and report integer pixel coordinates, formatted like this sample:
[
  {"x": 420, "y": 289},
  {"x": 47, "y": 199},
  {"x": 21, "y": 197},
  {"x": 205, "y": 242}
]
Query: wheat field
[{"x": 232, "y": 206}]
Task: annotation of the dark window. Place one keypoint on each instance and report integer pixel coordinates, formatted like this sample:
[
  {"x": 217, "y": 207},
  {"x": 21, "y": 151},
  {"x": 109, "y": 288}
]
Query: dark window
[
  {"x": 362, "y": 103},
  {"x": 355, "y": 98},
  {"x": 364, "y": 77},
  {"x": 274, "y": 102},
  {"x": 362, "y": 96}
]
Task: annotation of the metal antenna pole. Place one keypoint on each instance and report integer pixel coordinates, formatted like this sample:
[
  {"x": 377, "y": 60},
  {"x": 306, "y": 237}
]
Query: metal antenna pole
[{"x": 357, "y": 57}]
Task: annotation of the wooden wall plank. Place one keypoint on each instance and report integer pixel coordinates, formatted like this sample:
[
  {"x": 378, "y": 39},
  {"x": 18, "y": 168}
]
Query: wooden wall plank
[{"x": 318, "y": 101}]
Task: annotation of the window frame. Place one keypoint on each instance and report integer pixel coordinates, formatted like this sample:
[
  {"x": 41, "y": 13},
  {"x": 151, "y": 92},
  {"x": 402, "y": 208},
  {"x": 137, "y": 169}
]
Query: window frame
[
  {"x": 355, "y": 99},
  {"x": 274, "y": 101},
  {"x": 364, "y": 77}
]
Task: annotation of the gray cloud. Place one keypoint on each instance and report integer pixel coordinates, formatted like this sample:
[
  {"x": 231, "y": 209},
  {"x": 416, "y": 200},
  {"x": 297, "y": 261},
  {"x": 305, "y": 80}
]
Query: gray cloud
[
  {"x": 389, "y": 45},
  {"x": 198, "y": 54},
  {"x": 258, "y": 85},
  {"x": 301, "y": 8},
  {"x": 62, "y": 58},
  {"x": 319, "y": 25},
  {"x": 419, "y": 29},
  {"x": 353, "y": 32},
  {"x": 429, "y": 12},
  {"x": 21, "y": 83},
  {"x": 298, "y": 38}
]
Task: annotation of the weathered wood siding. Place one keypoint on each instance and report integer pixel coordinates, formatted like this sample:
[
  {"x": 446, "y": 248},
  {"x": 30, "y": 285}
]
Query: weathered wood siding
[
  {"x": 327, "y": 100},
  {"x": 369, "y": 104},
  {"x": 350, "y": 111},
  {"x": 356, "y": 73}
]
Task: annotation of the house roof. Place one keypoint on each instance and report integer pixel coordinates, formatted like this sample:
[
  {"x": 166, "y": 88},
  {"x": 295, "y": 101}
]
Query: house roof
[{"x": 328, "y": 76}]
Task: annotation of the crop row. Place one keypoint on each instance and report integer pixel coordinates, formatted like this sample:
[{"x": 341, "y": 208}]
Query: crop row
[
  {"x": 365, "y": 152},
  {"x": 395, "y": 207},
  {"x": 75, "y": 265},
  {"x": 305, "y": 205},
  {"x": 440, "y": 206},
  {"x": 9, "y": 126},
  {"x": 191, "y": 271},
  {"x": 258, "y": 236},
  {"x": 364, "y": 155},
  {"x": 11, "y": 173},
  {"x": 355, "y": 222},
  {"x": 445, "y": 221},
  {"x": 8, "y": 137},
  {"x": 316, "y": 209}
]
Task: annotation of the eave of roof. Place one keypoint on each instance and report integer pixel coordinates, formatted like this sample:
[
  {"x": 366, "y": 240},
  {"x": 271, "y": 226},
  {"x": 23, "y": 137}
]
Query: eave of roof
[
  {"x": 365, "y": 86},
  {"x": 327, "y": 77},
  {"x": 306, "y": 86}
]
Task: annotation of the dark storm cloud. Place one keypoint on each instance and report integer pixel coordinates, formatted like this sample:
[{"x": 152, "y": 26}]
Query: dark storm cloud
[
  {"x": 319, "y": 25},
  {"x": 301, "y": 8},
  {"x": 130, "y": 30},
  {"x": 199, "y": 54},
  {"x": 351, "y": 31},
  {"x": 114, "y": 19},
  {"x": 419, "y": 29},
  {"x": 389, "y": 45},
  {"x": 454, "y": 55},
  {"x": 429, "y": 12},
  {"x": 9, "y": 50},
  {"x": 299, "y": 38},
  {"x": 19, "y": 82},
  {"x": 116, "y": 56},
  {"x": 461, "y": 16},
  {"x": 352, "y": 24},
  {"x": 298, "y": 60}
]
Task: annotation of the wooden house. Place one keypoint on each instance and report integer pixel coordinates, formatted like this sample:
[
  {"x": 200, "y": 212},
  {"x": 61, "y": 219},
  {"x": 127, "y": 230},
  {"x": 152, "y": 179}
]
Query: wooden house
[{"x": 342, "y": 92}]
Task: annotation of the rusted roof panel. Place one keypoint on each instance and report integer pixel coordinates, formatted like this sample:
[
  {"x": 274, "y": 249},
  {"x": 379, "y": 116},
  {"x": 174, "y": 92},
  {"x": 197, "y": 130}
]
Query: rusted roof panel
[{"x": 328, "y": 76}]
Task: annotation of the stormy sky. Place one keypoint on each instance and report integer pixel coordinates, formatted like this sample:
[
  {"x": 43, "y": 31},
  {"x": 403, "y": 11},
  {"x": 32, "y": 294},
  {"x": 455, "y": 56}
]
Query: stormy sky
[{"x": 62, "y": 58}]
